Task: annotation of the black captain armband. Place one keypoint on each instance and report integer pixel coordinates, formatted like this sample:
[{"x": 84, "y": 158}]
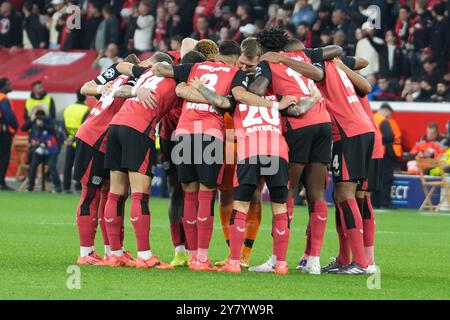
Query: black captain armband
[
  {"x": 109, "y": 75},
  {"x": 138, "y": 71}
]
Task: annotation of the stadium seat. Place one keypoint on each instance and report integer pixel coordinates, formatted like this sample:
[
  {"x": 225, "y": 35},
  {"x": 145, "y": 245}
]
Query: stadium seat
[
  {"x": 431, "y": 186},
  {"x": 18, "y": 159}
]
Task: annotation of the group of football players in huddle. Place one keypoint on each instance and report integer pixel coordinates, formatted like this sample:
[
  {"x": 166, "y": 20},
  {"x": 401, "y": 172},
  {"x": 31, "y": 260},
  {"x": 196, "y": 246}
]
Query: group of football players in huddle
[{"x": 231, "y": 118}]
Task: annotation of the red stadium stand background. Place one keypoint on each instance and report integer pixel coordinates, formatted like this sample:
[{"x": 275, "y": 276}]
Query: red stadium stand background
[{"x": 62, "y": 75}]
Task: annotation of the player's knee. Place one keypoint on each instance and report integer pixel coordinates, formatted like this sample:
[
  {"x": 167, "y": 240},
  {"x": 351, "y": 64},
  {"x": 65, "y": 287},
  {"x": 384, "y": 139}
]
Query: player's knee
[
  {"x": 241, "y": 206},
  {"x": 315, "y": 194},
  {"x": 244, "y": 193},
  {"x": 278, "y": 194}
]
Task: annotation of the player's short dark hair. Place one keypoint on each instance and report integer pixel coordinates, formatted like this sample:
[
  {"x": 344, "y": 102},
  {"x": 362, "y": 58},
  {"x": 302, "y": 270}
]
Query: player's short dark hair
[
  {"x": 229, "y": 48},
  {"x": 387, "y": 106},
  {"x": 293, "y": 44},
  {"x": 272, "y": 39},
  {"x": 193, "y": 57},
  {"x": 161, "y": 57}
]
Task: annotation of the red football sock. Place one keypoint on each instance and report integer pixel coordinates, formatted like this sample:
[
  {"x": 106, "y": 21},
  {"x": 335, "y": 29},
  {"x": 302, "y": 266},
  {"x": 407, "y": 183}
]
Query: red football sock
[
  {"x": 368, "y": 223},
  {"x": 140, "y": 219},
  {"x": 344, "y": 246},
  {"x": 190, "y": 219},
  {"x": 87, "y": 215},
  {"x": 318, "y": 222},
  {"x": 205, "y": 218},
  {"x": 237, "y": 234},
  {"x": 352, "y": 225},
  {"x": 290, "y": 207},
  {"x": 101, "y": 215},
  {"x": 280, "y": 231},
  {"x": 114, "y": 212}
]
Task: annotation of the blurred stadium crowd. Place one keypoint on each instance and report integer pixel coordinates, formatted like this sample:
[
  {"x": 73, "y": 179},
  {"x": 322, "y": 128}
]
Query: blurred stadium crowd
[{"x": 408, "y": 53}]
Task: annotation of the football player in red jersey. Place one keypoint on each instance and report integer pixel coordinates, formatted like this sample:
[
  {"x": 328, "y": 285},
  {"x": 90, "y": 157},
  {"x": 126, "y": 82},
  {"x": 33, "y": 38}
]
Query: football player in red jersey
[
  {"x": 353, "y": 142},
  {"x": 372, "y": 182},
  {"x": 89, "y": 158},
  {"x": 131, "y": 155},
  {"x": 189, "y": 52},
  {"x": 308, "y": 136}
]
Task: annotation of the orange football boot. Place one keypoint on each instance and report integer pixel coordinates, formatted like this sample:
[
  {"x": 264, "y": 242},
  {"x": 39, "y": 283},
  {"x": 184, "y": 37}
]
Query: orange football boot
[
  {"x": 230, "y": 268},
  {"x": 204, "y": 266},
  {"x": 153, "y": 262},
  {"x": 121, "y": 261},
  {"x": 88, "y": 260},
  {"x": 104, "y": 261},
  {"x": 281, "y": 269}
]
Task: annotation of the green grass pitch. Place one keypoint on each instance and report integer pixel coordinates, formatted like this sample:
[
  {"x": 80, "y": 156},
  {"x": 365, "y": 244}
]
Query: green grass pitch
[{"x": 39, "y": 242}]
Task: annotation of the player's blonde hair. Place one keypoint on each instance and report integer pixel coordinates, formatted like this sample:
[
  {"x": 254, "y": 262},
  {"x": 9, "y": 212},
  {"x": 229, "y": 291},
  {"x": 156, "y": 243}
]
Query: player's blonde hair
[{"x": 208, "y": 47}]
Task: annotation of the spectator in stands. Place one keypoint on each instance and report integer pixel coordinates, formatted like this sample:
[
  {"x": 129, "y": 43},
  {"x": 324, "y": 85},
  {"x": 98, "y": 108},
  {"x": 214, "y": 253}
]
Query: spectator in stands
[
  {"x": 175, "y": 43},
  {"x": 39, "y": 98},
  {"x": 74, "y": 115},
  {"x": 440, "y": 35},
  {"x": 145, "y": 23},
  {"x": 128, "y": 39},
  {"x": 33, "y": 31},
  {"x": 204, "y": 8},
  {"x": 387, "y": 90},
  {"x": 325, "y": 38},
  {"x": 10, "y": 26},
  {"x": 160, "y": 26},
  {"x": 224, "y": 34},
  {"x": 442, "y": 92},
  {"x": 244, "y": 14},
  {"x": 106, "y": 58},
  {"x": 57, "y": 10},
  {"x": 411, "y": 90},
  {"x": 8, "y": 127},
  {"x": 272, "y": 13},
  {"x": 44, "y": 147},
  {"x": 402, "y": 25},
  {"x": 426, "y": 90},
  {"x": 431, "y": 70},
  {"x": 339, "y": 21},
  {"x": 174, "y": 26},
  {"x": 285, "y": 13},
  {"x": 108, "y": 30},
  {"x": 391, "y": 138},
  {"x": 367, "y": 48},
  {"x": 304, "y": 34},
  {"x": 91, "y": 23},
  {"x": 203, "y": 31},
  {"x": 235, "y": 24},
  {"x": 393, "y": 64},
  {"x": 303, "y": 12},
  {"x": 323, "y": 21},
  {"x": 339, "y": 39}
]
